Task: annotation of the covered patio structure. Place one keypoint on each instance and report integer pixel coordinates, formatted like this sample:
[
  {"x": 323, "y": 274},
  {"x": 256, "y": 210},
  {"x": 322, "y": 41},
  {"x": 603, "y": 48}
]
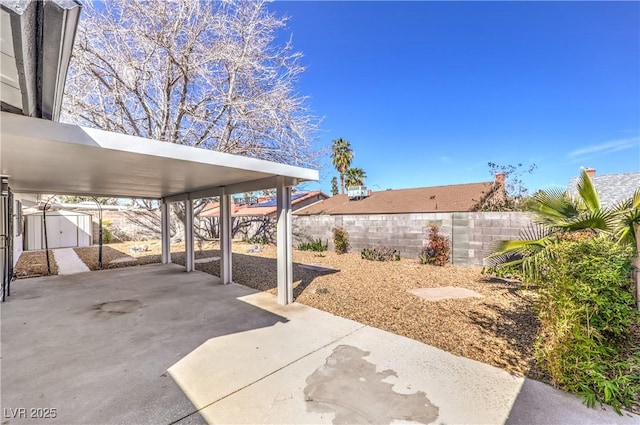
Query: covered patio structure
[{"x": 41, "y": 156}]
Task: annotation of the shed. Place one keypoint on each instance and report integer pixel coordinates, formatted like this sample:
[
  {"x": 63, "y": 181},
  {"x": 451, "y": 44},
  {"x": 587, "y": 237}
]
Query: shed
[{"x": 64, "y": 229}]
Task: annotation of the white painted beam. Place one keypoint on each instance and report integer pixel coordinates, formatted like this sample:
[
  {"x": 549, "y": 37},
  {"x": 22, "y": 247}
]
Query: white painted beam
[
  {"x": 165, "y": 216},
  {"x": 225, "y": 237},
  {"x": 205, "y": 193},
  {"x": 176, "y": 198},
  {"x": 189, "y": 260},
  {"x": 284, "y": 242},
  {"x": 261, "y": 184}
]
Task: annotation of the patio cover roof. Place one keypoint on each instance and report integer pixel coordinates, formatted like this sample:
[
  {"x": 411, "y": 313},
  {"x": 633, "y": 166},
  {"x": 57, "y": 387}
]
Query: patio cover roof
[{"x": 42, "y": 156}]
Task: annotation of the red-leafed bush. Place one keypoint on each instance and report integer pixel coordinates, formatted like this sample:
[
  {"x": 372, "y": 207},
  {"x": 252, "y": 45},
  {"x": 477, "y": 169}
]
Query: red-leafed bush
[{"x": 437, "y": 248}]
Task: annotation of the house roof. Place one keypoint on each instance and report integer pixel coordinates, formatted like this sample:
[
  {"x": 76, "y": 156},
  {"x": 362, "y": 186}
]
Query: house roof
[
  {"x": 42, "y": 156},
  {"x": 35, "y": 57},
  {"x": 612, "y": 188},
  {"x": 451, "y": 198},
  {"x": 261, "y": 209}
]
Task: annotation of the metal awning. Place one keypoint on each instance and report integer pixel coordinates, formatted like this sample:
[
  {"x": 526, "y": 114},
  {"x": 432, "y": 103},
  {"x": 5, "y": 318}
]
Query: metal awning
[{"x": 41, "y": 156}]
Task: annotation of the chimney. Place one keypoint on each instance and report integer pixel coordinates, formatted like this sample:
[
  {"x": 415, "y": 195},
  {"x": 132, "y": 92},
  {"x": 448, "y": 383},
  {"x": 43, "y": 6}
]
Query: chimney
[
  {"x": 590, "y": 171},
  {"x": 500, "y": 194}
]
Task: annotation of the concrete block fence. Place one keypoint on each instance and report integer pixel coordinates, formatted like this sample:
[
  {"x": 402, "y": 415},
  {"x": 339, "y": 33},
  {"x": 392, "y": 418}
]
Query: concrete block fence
[{"x": 472, "y": 234}]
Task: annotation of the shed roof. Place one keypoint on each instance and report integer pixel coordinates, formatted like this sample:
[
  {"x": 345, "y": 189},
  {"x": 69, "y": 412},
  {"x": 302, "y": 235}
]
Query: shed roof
[{"x": 450, "y": 198}]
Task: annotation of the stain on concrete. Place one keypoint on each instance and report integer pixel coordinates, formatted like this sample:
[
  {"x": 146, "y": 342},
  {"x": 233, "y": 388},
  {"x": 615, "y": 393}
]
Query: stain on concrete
[
  {"x": 350, "y": 387},
  {"x": 116, "y": 308}
]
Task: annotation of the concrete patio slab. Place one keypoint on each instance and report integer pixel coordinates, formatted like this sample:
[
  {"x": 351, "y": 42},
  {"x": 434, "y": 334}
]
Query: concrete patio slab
[
  {"x": 127, "y": 259},
  {"x": 458, "y": 390},
  {"x": 206, "y": 260},
  {"x": 444, "y": 293},
  {"x": 68, "y": 261},
  {"x": 96, "y": 346}
]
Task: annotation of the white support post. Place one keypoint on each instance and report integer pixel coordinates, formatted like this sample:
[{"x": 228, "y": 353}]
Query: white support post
[
  {"x": 285, "y": 243},
  {"x": 189, "y": 257},
  {"x": 225, "y": 237},
  {"x": 165, "y": 217}
]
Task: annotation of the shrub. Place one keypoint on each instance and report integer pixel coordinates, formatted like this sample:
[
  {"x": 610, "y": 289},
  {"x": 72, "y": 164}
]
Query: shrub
[
  {"x": 380, "y": 253},
  {"x": 341, "y": 240},
  {"x": 259, "y": 239},
  {"x": 313, "y": 245},
  {"x": 436, "y": 248},
  {"x": 586, "y": 310}
]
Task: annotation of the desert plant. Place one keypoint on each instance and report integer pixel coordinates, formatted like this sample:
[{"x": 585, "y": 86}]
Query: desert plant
[
  {"x": 341, "y": 240},
  {"x": 313, "y": 245},
  {"x": 586, "y": 311},
  {"x": 107, "y": 236},
  {"x": 437, "y": 248},
  {"x": 380, "y": 253},
  {"x": 556, "y": 213},
  {"x": 259, "y": 239}
]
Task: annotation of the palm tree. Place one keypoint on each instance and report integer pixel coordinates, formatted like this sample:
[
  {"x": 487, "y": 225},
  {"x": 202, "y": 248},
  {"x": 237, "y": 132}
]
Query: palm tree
[
  {"x": 557, "y": 214},
  {"x": 354, "y": 177},
  {"x": 341, "y": 157},
  {"x": 334, "y": 186}
]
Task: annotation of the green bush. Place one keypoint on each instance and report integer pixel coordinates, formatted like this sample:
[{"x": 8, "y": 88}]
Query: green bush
[
  {"x": 380, "y": 253},
  {"x": 436, "y": 249},
  {"x": 259, "y": 239},
  {"x": 586, "y": 310},
  {"x": 341, "y": 240},
  {"x": 314, "y": 245},
  {"x": 107, "y": 235}
]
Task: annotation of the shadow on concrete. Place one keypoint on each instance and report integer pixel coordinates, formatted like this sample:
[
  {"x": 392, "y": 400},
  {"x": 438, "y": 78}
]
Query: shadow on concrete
[{"x": 96, "y": 346}]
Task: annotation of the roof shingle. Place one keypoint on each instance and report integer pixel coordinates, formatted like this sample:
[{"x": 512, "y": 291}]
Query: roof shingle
[
  {"x": 612, "y": 188},
  {"x": 451, "y": 198}
]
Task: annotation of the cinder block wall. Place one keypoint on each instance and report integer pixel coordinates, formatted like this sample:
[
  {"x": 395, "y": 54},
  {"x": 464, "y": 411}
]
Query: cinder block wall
[{"x": 472, "y": 234}]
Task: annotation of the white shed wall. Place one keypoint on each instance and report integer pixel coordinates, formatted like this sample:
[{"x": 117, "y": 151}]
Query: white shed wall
[{"x": 64, "y": 230}]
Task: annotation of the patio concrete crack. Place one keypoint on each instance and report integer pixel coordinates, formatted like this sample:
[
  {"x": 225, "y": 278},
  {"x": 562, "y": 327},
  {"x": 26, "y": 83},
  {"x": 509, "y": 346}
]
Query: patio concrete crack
[{"x": 268, "y": 374}]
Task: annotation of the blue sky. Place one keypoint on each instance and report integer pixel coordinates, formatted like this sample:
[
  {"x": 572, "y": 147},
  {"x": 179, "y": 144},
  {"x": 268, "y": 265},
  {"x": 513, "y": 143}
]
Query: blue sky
[{"x": 429, "y": 92}]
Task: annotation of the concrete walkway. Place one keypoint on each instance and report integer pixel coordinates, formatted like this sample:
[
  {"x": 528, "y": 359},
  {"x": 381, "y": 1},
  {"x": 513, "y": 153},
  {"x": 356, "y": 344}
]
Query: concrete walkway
[
  {"x": 68, "y": 261},
  {"x": 109, "y": 347}
]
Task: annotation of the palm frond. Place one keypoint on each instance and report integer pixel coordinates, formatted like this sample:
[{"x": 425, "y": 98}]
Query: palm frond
[
  {"x": 587, "y": 192},
  {"x": 599, "y": 220},
  {"x": 627, "y": 215},
  {"x": 553, "y": 205}
]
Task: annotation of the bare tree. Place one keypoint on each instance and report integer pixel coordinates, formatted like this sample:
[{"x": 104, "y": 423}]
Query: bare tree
[{"x": 200, "y": 73}]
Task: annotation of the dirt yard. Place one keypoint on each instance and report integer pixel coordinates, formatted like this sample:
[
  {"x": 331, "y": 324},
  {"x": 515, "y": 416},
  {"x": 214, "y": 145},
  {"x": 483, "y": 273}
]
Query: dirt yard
[{"x": 498, "y": 329}]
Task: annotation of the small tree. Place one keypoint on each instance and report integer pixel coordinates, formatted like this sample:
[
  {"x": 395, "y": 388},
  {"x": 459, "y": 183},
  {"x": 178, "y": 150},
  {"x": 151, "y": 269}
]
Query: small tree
[
  {"x": 341, "y": 240},
  {"x": 515, "y": 192},
  {"x": 437, "y": 248}
]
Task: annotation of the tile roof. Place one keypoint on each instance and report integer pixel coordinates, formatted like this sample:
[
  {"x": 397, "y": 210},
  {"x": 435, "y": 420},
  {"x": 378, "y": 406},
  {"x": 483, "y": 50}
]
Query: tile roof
[
  {"x": 451, "y": 198},
  {"x": 262, "y": 209},
  {"x": 612, "y": 188}
]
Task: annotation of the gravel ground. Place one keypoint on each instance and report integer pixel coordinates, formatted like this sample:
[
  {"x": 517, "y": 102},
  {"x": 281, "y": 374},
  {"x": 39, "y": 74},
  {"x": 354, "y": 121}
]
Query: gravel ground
[{"x": 34, "y": 264}]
